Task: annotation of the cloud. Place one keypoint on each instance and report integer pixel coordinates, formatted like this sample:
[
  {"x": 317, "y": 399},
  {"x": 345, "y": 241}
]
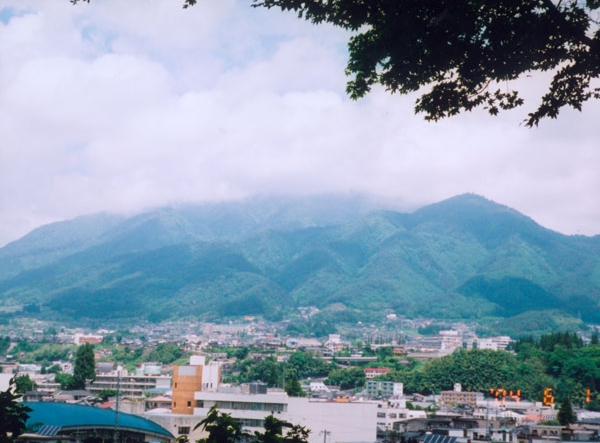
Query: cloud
[{"x": 120, "y": 106}]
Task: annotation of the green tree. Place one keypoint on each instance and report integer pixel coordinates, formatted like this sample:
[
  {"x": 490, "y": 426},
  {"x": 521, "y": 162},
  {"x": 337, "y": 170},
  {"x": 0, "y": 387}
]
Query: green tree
[
  {"x": 13, "y": 415},
  {"x": 84, "y": 369},
  {"x": 166, "y": 353},
  {"x": 273, "y": 430},
  {"x": 104, "y": 394},
  {"x": 267, "y": 371},
  {"x": 351, "y": 378},
  {"x": 307, "y": 364},
  {"x": 464, "y": 53},
  {"x": 292, "y": 387},
  {"x": 221, "y": 428},
  {"x": 297, "y": 434},
  {"x": 475, "y": 369},
  {"x": 24, "y": 383},
  {"x": 566, "y": 416},
  {"x": 4, "y": 344},
  {"x": 65, "y": 380}
]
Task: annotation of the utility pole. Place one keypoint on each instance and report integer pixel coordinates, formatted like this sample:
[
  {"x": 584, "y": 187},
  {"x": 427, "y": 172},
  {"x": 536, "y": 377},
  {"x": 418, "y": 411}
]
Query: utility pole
[
  {"x": 325, "y": 434},
  {"x": 116, "y": 436}
]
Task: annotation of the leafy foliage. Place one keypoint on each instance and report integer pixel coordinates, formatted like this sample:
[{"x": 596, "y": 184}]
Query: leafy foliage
[
  {"x": 273, "y": 432},
  {"x": 221, "y": 428},
  {"x": 64, "y": 380},
  {"x": 4, "y": 344},
  {"x": 84, "y": 369},
  {"x": 351, "y": 378},
  {"x": 165, "y": 353},
  {"x": 566, "y": 415},
  {"x": 24, "y": 383},
  {"x": 13, "y": 415},
  {"x": 464, "y": 53}
]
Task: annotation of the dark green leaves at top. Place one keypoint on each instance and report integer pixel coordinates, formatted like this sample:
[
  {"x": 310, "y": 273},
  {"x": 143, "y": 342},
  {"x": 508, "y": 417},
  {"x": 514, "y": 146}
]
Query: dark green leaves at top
[
  {"x": 465, "y": 52},
  {"x": 13, "y": 415}
]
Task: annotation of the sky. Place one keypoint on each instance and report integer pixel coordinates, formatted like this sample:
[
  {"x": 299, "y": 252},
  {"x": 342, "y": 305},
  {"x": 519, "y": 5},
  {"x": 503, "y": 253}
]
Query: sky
[{"x": 122, "y": 106}]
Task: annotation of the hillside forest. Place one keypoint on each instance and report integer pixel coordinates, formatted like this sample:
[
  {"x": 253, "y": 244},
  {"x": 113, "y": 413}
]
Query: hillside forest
[{"x": 462, "y": 259}]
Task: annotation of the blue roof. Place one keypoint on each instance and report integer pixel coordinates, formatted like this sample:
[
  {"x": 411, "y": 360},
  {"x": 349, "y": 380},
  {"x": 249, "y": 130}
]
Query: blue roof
[{"x": 68, "y": 415}]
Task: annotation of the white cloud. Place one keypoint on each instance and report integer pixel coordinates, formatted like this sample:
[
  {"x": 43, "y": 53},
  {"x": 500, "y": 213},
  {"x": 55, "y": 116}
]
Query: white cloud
[{"x": 124, "y": 105}]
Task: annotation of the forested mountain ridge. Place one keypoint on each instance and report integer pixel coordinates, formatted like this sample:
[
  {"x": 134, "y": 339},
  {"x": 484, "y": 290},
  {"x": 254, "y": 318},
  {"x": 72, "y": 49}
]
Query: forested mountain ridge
[{"x": 463, "y": 258}]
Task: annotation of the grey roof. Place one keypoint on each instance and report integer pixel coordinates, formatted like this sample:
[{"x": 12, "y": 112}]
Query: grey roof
[
  {"x": 434, "y": 438},
  {"x": 48, "y": 431}
]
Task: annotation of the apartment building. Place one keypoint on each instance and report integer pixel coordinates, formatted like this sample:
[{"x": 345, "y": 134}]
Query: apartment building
[
  {"x": 459, "y": 397},
  {"x": 384, "y": 389},
  {"x": 129, "y": 385}
]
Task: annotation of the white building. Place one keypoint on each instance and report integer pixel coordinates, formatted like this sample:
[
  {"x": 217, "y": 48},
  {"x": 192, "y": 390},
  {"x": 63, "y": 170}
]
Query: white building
[
  {"x": 451, "y": 340},
  {"x": 330, "y": 422},
  {"x": 318, "y": 386},
  {"x": 345, "y": 422},
  {"x": 494, "y": 343},
  {"x": 392, "y": 412}
]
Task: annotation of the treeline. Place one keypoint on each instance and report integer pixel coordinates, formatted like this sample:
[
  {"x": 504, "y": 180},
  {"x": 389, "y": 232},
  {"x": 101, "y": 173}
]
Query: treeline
[{"x": 560, "y": 361}]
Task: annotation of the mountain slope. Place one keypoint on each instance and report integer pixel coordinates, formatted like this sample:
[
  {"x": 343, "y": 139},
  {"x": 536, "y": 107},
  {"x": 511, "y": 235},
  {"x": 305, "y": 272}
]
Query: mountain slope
[{"x": 465, "y": 257}]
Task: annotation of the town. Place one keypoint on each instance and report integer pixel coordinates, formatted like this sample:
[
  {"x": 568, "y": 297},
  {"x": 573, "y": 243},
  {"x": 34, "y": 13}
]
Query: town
[{"x": 157, "y": 382}]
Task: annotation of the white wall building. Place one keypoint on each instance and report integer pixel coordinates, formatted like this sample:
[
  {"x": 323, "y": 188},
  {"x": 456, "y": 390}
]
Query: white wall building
[
  {"x": 329, "y": 422},
  {"x": 394, "y": 411}
]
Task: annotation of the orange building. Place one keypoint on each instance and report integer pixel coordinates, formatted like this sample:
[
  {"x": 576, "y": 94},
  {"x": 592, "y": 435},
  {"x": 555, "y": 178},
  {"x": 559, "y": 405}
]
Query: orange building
[
  {"x": 189, "y": 379},
  {"x": 186, "y": 381}
]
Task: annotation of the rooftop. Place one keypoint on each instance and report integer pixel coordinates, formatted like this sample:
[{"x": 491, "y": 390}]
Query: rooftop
[{"x": 68, "y": 415}]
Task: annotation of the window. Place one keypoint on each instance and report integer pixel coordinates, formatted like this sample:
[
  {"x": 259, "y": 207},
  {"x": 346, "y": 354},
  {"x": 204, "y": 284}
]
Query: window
[
  {"x": 183, "y": 430},
  {"x": 189, "y": 404},
  {"x": 381, "y": 415}
]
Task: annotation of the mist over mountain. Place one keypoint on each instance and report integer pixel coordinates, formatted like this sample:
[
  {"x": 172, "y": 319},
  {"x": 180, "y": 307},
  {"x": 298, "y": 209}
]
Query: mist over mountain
[{"x": 463, "y": 258}]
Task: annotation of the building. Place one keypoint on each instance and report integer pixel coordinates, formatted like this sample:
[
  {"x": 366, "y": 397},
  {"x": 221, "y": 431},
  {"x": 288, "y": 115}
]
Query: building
[
  {"x": 66, "y": 422},
  {"x": 459, "y": 397},
  {"x": 129, "y": 385},
  {"x": 494, "y": 343},
  {"x": 341, "y": 422},
  {"x": 80, "y": 339},
  {"x": 393, "y": 416},
  {"x": 375, "y": 372},
  {"x": 384, "y": 389},
  {"x": 450, "y": 340},
  {"x": 188, "y": 379}
]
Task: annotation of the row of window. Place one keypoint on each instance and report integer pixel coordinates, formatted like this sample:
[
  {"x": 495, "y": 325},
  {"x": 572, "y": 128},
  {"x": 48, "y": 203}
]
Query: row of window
[
  {"x": 390, "y": 415},
  {"x": 251, "y": 406}
]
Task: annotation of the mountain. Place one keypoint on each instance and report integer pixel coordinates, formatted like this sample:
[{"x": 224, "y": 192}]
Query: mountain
[{"x": 463, "y": 258}]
